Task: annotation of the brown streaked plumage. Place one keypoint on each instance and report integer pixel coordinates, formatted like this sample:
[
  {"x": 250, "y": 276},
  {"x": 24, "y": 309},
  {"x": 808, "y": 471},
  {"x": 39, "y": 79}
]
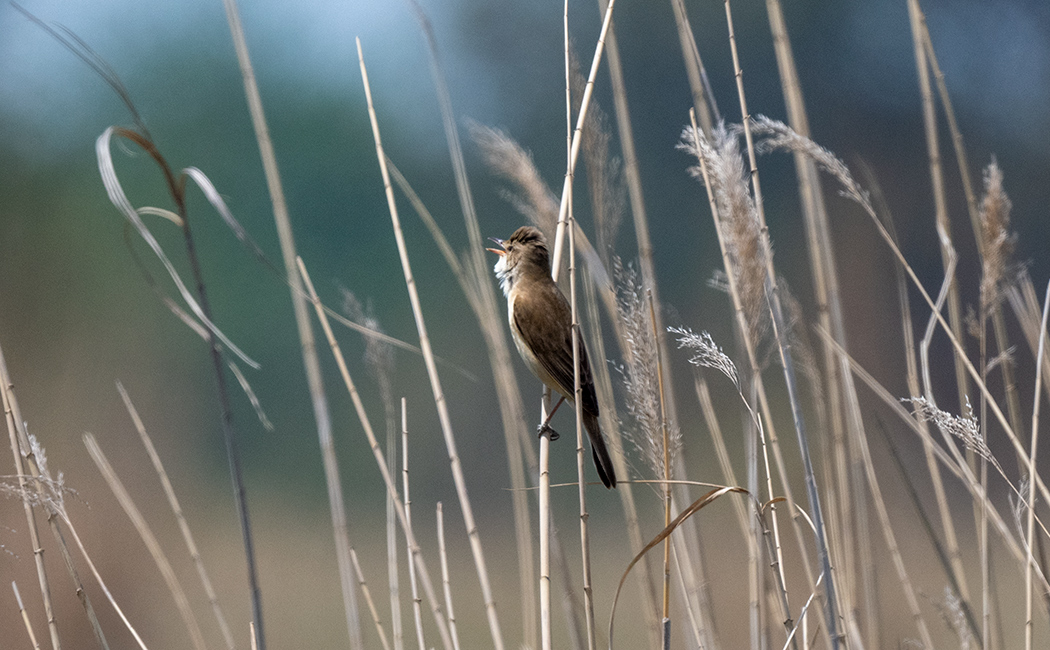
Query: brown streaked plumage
[{"x": 541, "y": 325}]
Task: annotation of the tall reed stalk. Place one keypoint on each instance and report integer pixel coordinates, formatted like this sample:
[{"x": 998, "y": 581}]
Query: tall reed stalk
[
  {"x": 435, "y": 381},
  {"x": 377, "y": 452},
  {"x": 784, "y": 346}
]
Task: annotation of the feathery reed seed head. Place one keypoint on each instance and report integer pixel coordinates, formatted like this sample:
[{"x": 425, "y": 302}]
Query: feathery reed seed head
[{"x": 640, "y": 374}]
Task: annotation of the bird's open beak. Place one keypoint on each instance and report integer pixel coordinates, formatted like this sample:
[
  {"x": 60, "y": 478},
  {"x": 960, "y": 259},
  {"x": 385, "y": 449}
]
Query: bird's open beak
[{"x": 499, "y": 242}]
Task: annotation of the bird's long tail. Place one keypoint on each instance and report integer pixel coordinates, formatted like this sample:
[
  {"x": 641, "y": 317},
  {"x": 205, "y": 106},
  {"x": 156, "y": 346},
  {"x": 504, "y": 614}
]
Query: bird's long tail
[{"x": 601, "y": 454}]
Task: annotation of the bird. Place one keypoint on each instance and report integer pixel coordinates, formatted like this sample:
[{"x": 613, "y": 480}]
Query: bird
[{"x": 541, "y": 326}]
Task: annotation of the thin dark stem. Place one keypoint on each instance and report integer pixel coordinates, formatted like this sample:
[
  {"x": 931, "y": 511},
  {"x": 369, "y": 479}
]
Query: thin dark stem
[{"x": 176, "y": 187}]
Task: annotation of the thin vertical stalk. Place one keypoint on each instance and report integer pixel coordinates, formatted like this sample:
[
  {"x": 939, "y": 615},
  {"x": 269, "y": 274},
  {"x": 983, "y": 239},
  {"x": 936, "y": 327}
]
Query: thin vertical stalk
[
  {"x": 940, "y": 495},
  {"x": 26, "y": 465},
  {"x": 831, "y": 608},
  {"x": 954, "y": 310},
  {"x": 435, "y": 381},
  {"x": 633, "y": 178},
  {"x": 184, "y": 527},
  {"x": 7, "y": 393},
  {"x": 940, "y": 199},
  {"x": 545, "y": 533},
  {"x": 667, "y": 479},
  {"x": 482, "y": 298},
  {"x": 445, "y": 580},
  {"x": 840, "y": 389},
  {"x": 368, "y": 600},
  {"x": 417, "y": 603},
  {"x": 581, "y": 456},
  {"x": 577, "y": 140},
  {"x": 1031, "y": 484},
  {"x": 377, "y": 452},
  {"x": 694, "y": 69},
  {"x": 1013, "y": 403},
  {"x": 182, "y": 603},
  {"x": 25, "y": 616},
  {"x": 308, "y": 345},
  {"x": 755, "y": 371},
  {"x": 610, "y": 424},
  {"x": 393, "y": 581},
  {"x": 585, "y": 543}
]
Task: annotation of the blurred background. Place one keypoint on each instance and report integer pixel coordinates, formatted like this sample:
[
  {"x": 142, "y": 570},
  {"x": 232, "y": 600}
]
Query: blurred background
[{"x": 76, "y": 314}]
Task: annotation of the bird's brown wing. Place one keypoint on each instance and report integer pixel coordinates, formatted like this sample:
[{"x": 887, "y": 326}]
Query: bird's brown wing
[{"x": 549, "y": 337}]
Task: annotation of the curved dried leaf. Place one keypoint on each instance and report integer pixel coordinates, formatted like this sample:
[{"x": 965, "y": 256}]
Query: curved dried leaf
[
  {"x": 693, "y": 508},
  {"x": 120, "y": 200}
]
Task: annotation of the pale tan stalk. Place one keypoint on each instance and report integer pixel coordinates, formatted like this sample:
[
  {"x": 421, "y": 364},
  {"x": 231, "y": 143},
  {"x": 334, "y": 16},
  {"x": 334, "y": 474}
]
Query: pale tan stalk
[
  {"x": 947, "y": 522},
  {"x": 581, "y": 455},
  {"x": 184, "y": 527},
  {"x": 446, "y": 582},
  {"x": 545, "y": 531},
  {"x": 816, "y": 511},
  {"x": 755, "y": 370},
  {"x": 940, "y": 200},
  {"x": 519, "y": 446},
  {"x": 633, "y": 177},
  {"x": 182, "y": 603},
  {"x": 98, "y": 577},
  {"x": 1030, "y": 540},
  {"x": 667, "y": 485},
  {"x": 26, "y": 465},
  {"x": 707, "y": 408},
  {"x": 577, "y": 139},
  {"x": 890, "y": 538},
  {"x": 25, "y": 616},
  {"x": 392, "y": 551},
  {"x": 359, "y": 408},
  {"x": 417, "y": 602},
  {"x": 585, "y": 539},
  {"x": 1013, "y": 403},
  {"x": 694, "y": 579},
  {"x": 435, "y": 381},
  {"x": 954, "y": 310},
  {"x": 610, "y": 424},
  {"x": 694, "y": 69},
  {"x": 307, "y": 342},
  {"x": 840, "y": 391},
  {"x": 484, "y": 303},
  {"x": 1025, "y": 306},
  {"x": 368, "y": 600},
  {"x": 7, "y": 392},
  {"x": 953, "y": 462}
]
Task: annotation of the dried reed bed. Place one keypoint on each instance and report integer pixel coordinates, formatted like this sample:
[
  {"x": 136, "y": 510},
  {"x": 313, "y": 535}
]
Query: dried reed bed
[{"x": 814, "y": 588}]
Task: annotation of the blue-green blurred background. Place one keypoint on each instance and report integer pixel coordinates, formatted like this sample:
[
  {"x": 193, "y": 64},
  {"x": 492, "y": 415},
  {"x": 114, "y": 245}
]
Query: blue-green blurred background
[{"x": 76, "y": 315}]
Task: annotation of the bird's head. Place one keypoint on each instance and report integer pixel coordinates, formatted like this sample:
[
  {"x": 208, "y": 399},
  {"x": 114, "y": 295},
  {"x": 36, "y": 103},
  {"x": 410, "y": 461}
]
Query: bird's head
[{"x": 525, "y": 252}]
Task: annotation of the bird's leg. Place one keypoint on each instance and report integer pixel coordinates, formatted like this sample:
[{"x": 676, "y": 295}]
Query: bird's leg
[{"x": 545, "y": 427}]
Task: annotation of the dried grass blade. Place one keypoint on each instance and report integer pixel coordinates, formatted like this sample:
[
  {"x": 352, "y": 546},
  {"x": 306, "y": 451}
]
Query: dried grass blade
[
  {"x": 217, "y": 202},
  {"x": 120, "y": 200},
  {"x": 247, "y": 388},
  {"x": 173, "y": 501},
  {"x": 182, "y": 603},
  {"x": 693, "y": 508}
]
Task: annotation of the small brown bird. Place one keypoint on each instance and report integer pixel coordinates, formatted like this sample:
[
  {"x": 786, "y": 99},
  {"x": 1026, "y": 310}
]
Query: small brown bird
[{"x": 541, "y": 325}]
